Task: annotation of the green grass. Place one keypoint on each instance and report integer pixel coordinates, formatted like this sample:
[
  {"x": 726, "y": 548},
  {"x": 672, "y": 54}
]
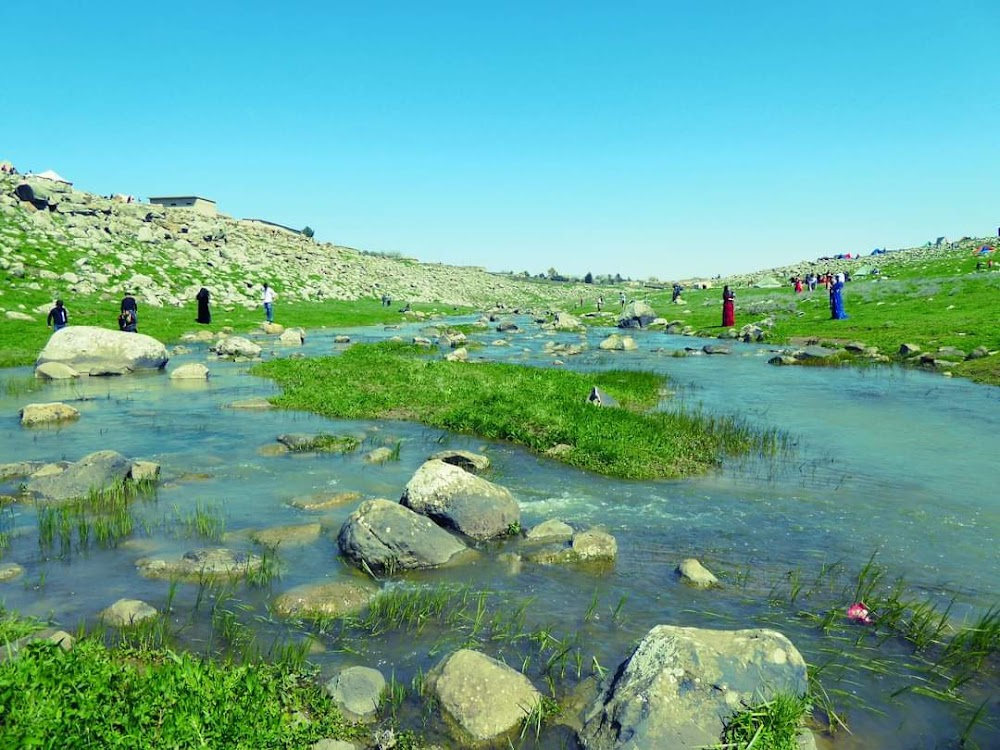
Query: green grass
[
  {"x": 111, "y": 698},
  {"x": 534, "y": 407},
  {"x": 769, "y": 725}
]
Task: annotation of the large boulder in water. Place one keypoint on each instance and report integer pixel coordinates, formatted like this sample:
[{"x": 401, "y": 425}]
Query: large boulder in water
[
  {"x": 462, "y": 501},
  {"x": 385, "y": 536},
  {"x": 482, "y": 696},
  {"x": 680, "y": 685},
  {"x": 102, "y": 351},
  {"x": 97, "y": 470},
  {"x": 637, "y": 314}
]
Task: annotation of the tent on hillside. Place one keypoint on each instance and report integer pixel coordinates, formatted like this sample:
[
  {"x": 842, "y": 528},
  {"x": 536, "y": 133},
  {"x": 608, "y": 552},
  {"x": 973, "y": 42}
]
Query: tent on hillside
[
  {"x": 862, "y": 271},
  {"x": 49, "y": 174},
  {"x": 985, "y": 250},
  {"x": 766, "y": 282}
]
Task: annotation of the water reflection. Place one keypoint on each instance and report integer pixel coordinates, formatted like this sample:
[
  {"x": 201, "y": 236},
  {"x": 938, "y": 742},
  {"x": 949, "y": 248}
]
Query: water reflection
[{"x": 887, "y": 460}]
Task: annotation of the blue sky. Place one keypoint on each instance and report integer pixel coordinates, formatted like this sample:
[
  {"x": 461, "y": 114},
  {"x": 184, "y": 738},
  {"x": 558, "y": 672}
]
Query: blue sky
[{"x": 665, "y": 139}]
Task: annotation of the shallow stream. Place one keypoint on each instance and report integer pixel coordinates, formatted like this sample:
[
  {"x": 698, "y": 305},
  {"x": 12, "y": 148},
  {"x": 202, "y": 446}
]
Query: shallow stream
[{"x": 894, "y": 463}]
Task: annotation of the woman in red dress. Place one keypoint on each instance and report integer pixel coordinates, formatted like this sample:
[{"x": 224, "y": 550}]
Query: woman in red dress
[{"x": 728, "y": 307}]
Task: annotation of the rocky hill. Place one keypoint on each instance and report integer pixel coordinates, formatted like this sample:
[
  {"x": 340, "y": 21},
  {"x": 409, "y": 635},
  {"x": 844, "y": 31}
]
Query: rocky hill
[{"x": 63, "y": 242}]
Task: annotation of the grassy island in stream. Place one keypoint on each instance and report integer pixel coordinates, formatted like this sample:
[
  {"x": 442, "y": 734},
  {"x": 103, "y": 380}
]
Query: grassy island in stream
[{"x": 537, "y": 408}]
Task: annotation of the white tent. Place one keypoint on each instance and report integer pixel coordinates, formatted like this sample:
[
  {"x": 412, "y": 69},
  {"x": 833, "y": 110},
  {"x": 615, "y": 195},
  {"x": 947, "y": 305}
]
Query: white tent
[{"x": 48, "y": 174}]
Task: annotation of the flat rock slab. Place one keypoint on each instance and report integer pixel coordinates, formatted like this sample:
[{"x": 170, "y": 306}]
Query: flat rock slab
[
  {"x": 33, "y": 415},
  {"x": 287, "y": 536},
  {"x": 209, "y": 563},
  {"x": 322, "y": 501}
]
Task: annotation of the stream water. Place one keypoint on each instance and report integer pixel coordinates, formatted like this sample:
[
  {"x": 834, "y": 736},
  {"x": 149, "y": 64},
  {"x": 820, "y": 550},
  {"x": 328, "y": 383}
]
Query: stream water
[{"x": 894, "y": 463}]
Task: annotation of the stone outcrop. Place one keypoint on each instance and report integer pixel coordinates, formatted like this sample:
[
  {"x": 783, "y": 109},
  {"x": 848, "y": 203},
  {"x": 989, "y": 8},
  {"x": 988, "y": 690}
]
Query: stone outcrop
[
  {"x": 617, "y": 342},
  {"x": 474, "y": 463},
  {"x": 384, "y": 537},
  {"x": 680, "y": 685},
  {"x": 101, "y": 351},
  {"x": 483, "y": 697},
  {"x": 458, "y": 500}
]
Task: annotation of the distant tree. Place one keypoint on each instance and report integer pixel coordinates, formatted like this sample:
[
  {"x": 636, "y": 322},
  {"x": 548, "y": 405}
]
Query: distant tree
[
  {"x": 552, "y": 273},
  {"x": 618, "y": 278},
  {"x": 589, "y": 278},
  {"x": 308, "y": 232}
]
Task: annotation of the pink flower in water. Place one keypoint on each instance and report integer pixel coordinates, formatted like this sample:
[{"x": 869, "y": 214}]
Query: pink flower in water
[{"x": 859, "y": 612}]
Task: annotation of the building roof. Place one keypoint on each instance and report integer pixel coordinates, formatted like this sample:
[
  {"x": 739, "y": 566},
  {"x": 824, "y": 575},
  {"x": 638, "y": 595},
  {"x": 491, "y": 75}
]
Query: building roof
[{"x": 180, "y": 198}]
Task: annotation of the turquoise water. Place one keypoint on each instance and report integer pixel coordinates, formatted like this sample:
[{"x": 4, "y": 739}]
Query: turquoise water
[{"x": 887, "y": 462}]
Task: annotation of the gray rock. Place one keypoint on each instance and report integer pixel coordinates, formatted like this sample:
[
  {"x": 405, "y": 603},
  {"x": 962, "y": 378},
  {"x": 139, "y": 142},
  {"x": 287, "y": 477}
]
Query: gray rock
[
  {"x": 100, "y": 351},
  {"x": 637, "y": 314},
  {"x": 482, "y": 696},
  {"x": 384, "y": 537},
  {"x": 236, "y": 346},
  {"x": 290, "y": 535},
  {"x": 617, "y": 342},
  {"x": 100, "y": 469},
  {"x": 201, "y": 563},
  {"x": 908, "y": 350},
  {"x": 55, "y": 371},
  {"x": 331, "y": 744},
  {"x": 19, "y": 469},
  {"x": 324, "y": 501},
  {"x": 51, "y": 413},
  {"x": 815, "y": 352},
  {"x": 467, "y": 460},
  {"x": 292, "y": 337},
  {"x": 462, "y": 501},
  {"x": 680, "y": 685},
  {"x": 125, "y": 612},
  {"x": 316, "y": 600},
  {"x": 258, "y": 403},
  {"x": 590, "y": 546},
  {"x": 550, "y": 530},
  {"x": 716, "y": 349},
  {"x": 144, "y": 471},
  {"x": 190, "y": 371},
  {"x": 693, "y": 572},
  {"x": 357, "y": 691},
  {"x": 10, "y": 571}
]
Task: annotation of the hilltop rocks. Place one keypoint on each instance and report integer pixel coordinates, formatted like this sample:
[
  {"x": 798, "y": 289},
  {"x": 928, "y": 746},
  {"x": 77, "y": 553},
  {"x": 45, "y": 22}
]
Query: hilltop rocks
[
  {"x": 482, "y": 696},
  {"x": 385, "y": 536},
  {"x": 680, "y": 685},
  {"x": 462, "y": 501},
  {"x": 101, "y": 351}
]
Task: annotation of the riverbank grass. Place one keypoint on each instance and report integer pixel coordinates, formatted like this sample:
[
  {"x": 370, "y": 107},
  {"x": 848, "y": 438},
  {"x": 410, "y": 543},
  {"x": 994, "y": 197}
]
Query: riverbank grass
[{"x": 545, "y": 410}]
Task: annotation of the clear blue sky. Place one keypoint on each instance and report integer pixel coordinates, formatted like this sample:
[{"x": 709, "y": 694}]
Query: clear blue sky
[{"x": 664, "y": 139}]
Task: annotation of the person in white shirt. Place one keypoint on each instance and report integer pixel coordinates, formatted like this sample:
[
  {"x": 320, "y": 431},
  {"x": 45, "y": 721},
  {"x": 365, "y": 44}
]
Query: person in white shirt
[{"x": 269, "y": 298}]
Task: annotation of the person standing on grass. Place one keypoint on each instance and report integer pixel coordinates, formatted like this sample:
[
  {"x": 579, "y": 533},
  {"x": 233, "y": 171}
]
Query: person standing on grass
[
  {"x": 58, "y": 317},
  {"x": 204, "y": 314},
  {"x": 268, "y": 299},
  {"x": 728, "y": 307}
]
